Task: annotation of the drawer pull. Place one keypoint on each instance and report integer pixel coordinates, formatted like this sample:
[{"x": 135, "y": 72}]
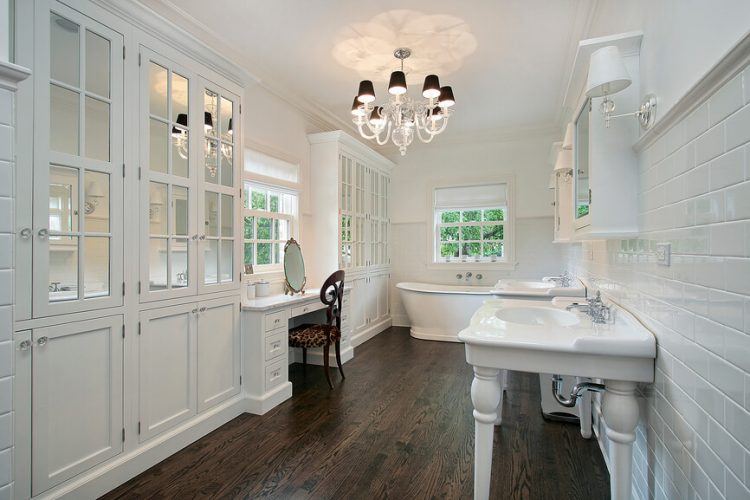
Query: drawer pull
[{"x": 276, "y": 345}]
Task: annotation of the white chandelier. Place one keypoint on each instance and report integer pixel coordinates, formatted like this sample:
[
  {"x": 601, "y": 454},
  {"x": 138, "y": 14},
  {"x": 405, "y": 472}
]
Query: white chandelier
[{"x": 402, "y": 117}]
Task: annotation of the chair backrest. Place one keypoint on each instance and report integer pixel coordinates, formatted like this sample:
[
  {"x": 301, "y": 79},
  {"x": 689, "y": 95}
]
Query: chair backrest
[{"x": 332, "y": 295}]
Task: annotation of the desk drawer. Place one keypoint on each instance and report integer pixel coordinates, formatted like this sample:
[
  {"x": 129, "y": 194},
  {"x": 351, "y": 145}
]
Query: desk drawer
[
  {"x": 300, "y": 310},
  {"x": 276, "y": 373},
  {"x": 278, "y": 319},
  {"x": 276, "y": 344}
]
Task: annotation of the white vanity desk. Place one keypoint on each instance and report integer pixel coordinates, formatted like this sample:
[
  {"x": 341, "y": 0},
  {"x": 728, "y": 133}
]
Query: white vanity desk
[{"x": 265, "y": 345}]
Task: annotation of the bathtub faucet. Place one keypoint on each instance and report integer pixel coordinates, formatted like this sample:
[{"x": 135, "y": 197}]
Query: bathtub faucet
[{"x": 468, "y": 275}]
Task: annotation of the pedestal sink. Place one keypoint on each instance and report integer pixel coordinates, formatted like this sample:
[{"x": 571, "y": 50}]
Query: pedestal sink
[
  {"x": 536, "y": 288},
  {"x": 542, "y": 336}
]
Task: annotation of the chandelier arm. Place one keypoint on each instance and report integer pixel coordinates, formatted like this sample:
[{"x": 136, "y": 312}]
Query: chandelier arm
[
  {"x": 387, "y": 129},
  {"x": 419, "y": 134},
  {"x": 363, "y": 134}
]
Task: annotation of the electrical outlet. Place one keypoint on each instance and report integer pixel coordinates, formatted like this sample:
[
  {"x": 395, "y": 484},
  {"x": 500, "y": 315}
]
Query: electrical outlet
[{"x": 664, "y": 254}]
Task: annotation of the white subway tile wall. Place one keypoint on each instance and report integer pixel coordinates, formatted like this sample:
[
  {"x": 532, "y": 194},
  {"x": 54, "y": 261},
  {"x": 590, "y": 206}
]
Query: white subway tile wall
[
  {"x": 693, "y": 440},
  {"x": 6, "y": 292}
]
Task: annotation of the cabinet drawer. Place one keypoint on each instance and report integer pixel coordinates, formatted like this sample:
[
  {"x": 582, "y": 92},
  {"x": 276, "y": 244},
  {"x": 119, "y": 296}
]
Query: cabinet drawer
[
  {"x": 278, "y": 319},
  {"x": 276, "y": 345},
  {"x": 276, "y": 373},
  {"x": 313, "y": 306}
]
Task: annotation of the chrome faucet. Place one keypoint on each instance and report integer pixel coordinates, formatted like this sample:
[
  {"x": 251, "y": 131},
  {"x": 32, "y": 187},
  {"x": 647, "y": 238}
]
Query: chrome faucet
[
  {"x": 594, "y": 308},
  {"x": 565, "y": 280}
]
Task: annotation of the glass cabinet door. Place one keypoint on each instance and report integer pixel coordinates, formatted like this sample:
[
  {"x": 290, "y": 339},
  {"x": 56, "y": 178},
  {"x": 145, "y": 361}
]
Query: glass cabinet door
[
  {"x": 168, "y": 179},
  {"x": 218, "y": 251},
  {"x": 78, "y": 155},
  {"x": 346, "y": 212}
]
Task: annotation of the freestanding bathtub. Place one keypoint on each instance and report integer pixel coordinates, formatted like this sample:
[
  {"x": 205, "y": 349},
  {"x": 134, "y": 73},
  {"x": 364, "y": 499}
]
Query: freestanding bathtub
[{"x": 439, "y": 312}]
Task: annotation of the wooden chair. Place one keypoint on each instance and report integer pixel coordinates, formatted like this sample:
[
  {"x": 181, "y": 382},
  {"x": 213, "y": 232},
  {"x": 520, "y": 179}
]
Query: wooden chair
[{"x": 311, "y": 336}]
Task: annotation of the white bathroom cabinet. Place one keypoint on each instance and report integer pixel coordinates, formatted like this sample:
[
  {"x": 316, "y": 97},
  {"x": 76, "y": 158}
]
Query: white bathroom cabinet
[{"x": 349, "y": 190}]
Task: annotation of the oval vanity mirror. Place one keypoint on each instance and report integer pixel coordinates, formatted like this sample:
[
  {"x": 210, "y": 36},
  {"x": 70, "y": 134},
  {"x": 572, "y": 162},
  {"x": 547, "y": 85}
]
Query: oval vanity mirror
[{"x": 294, "y": 268}]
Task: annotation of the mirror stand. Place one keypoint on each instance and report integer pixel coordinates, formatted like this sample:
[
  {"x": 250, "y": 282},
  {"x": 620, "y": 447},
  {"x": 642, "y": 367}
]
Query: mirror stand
[{"x": 294, "y": 268}]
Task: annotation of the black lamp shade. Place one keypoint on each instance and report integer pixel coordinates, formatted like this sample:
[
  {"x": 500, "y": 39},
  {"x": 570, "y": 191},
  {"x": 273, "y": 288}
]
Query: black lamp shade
[
  {"x": 366, "y": 92},
  {"x": 357, "y": 109},
  {"x": 397, "y": 84},
  {"x": 446, "y": 97},
  {"x": 208, "y": 120},
  {"x": 181, "y": 120},
  {"x": 436, "y": 114},
  {"x": 376, "y": 117},
  {"x": 431, "y": 87}
]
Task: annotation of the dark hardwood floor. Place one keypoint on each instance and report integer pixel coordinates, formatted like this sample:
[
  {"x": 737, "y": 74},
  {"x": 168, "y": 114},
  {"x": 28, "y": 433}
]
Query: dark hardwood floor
[{"x": 400, "y": 426}]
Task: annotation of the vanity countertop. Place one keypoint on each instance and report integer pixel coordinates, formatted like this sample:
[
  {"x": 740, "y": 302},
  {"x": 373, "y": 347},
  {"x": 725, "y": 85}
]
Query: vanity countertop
[{"x": 279, "y": 300}]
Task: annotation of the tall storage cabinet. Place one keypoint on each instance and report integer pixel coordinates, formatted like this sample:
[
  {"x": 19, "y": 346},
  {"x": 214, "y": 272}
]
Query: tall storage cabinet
[{"x": 350, "y": 228}]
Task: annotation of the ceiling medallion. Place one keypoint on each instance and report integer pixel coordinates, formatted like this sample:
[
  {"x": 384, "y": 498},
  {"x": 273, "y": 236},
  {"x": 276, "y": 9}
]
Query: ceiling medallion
[{"x": 401, "y": 118}]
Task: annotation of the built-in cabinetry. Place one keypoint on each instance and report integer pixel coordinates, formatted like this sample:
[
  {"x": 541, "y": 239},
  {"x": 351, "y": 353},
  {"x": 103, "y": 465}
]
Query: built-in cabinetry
[
  {"x": 127, "y": 324},
  {"x": 349, "y": 190}
]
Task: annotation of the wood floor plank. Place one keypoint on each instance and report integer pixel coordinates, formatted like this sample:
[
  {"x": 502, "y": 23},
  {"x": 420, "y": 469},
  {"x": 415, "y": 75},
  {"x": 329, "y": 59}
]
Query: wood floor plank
[{"x": 400, "y": 426}]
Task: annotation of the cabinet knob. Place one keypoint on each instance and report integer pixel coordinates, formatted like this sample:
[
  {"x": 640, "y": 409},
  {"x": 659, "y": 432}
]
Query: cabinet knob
[
  {"x": 202, "y": 309},
  {"x": 24, "y": 345},
  {"x": 42, "y": 341},
  {"x": 202, "y": 237},
  {"x": 194, "y": 311},
  {"x": 25, "y": 233},
  {"x": 43, "y": 234},
  {"x": 194, "y": 237}
]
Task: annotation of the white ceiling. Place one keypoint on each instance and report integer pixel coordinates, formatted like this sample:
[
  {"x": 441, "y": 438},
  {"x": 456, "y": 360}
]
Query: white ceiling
[{"x": 507, "y": 60}]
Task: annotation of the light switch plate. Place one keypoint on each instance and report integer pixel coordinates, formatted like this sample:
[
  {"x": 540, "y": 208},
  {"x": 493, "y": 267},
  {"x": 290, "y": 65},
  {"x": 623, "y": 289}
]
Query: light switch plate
[{"x": 664, "y": 254}]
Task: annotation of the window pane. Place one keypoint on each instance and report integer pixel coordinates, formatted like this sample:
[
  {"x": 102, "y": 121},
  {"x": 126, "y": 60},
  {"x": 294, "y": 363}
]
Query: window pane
[
  {"x": 63, "y": 268},
  {"x": 179, "y": 250},
  {"x": 209, "y": 112},
  {"x": 211, "y": 214},
  {"x": 179, "y": 210},
  {"x": 249, "y": 228},
  {"x": 249, "y": 253},
  {"x": 211, "y": 261},
  {"x": 494, "y": 214},
  {"x": 493, "y": 249},
  {"x": 157, "y": 157},
  {"x": 264, "y": 253},
  {"x": 273, "y": 201},
  {"x": 225, "y": 261},
  {"x": 447, "y": 217},
  {"x": 448, "y": 233},
  {"x": 471, "y": 249},
  {"x": 264, "y": 230},
  {"x": 157, "y": 85},
  {"x": 97, "y": 64},
  {"x": 282, "y": 230},
  {"x": 97, "y": 129},
  {"x": 157, "y": 209},
  {"x": 180, "y": 151},
  {"x": 449, "y": 250},
  {"x": 471, "y": 233},
  {"x": 64, "y": 51},
  {"x": 63, "y": 199},
  {"x": 64, "y": 120},
  {"x": 96, "y": 266},
  {"x": 277, "y": 253},
  {"x": 226, "y": 119},
  {"x": 493, "y": 232},
  {"x": 471, "y": 215},
  {"x": 96, "y": 201},
  {"x": 258, "y": 200},
  {"x": 179, "y": 99},
  {"x": 227, "y": 170},
  {"x": 157, "y": 269},
  {"x": 211, "y": 171},
  {"x": 227, "y": 215}
]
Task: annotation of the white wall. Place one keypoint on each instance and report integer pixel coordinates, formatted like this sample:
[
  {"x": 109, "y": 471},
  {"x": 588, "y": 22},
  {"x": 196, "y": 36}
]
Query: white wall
[
  {"x": 5, "y": 30},
  {"x": 423, "y": 166},
  {"x": 693, "y": 440}
]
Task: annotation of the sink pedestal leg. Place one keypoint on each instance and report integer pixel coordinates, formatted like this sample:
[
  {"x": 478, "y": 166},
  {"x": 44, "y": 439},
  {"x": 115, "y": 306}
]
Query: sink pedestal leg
[
  {"x": 502, "y": 379},
  {"x": 584, "y": 410},
  {"x": 620, "y": 411},
  {"x": 486, "y": 394}
]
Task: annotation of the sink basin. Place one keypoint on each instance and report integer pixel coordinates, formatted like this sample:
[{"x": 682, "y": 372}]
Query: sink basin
[
  {"x": 539, "y": 316},
  {"x": 536, "y": 288}
]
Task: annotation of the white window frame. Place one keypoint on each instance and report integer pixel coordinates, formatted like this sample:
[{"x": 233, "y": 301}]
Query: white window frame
[
  {"x": 508, "y": 261},
  {"x": 292, "y": 218}
]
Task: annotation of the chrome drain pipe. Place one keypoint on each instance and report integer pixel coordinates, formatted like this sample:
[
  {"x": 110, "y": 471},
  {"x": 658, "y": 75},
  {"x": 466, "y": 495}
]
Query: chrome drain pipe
[{"x": 575, "y": 393}]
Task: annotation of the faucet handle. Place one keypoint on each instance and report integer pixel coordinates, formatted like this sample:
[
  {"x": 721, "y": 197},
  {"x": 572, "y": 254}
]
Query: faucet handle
[{"x": 459, "y": 276}]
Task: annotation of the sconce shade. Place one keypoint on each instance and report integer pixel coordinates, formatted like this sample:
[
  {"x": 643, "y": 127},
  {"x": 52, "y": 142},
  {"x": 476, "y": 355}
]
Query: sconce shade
[
  {"x": 552, "y": 179},
  {"x": 366, "y": 92},
  {"x": 568, "y": 140},
  {"x": 181, "y": 120},
  {"x": 607, "y": 73},
  {"x": 564, "y": 161},
  {"x": 431, "y": 87},
  {"x": 397, "y": 84},
  {"x": 94, "y": 190},
  {"x": 208, "y": 120},
  {"x": 357, "y": 110},
  {"x": 446, "y": 97},
  {"x": 436, "y": 114}
]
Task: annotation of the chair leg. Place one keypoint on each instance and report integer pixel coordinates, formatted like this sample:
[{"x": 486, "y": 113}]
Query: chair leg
[
  {"x": 325, "y": 365},
  {"x": 304, "y": 356},
  {"x": 338, "y": 358}
]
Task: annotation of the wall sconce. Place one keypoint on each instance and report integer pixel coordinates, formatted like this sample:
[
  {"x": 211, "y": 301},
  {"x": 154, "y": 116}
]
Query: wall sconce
[
  {"x": 608, "y": 76},
  {"x": 564, "y": 163},
  {"x": 94, "y": 193}
]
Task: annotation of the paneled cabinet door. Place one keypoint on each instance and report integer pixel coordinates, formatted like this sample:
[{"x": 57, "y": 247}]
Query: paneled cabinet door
[
  {"x": 382, "y": 290},
  {"x": 358, "y": 304},
  {"x": 167, "y": 364},
  {"x": 78, "y": 161},
  {"x": 168, "y": 207},
  {"x": 218, "y": 351},
  {"x": 77, "y": 400},
  {"x": 218, "y": 201}
]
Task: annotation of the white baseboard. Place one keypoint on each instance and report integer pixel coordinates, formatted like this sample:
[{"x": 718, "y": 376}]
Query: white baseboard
[
  {"x": 373, "y": 330},
  {"x": 271, "y": 399},
  {"x": 128, "y": 465}
]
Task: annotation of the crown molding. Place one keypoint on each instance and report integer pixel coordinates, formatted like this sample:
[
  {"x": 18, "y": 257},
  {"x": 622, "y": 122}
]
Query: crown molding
[
  {"x": 363, "y": 149},
  {"x": 729, "y": 66},
  {"x": 11, "y": 74}
]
